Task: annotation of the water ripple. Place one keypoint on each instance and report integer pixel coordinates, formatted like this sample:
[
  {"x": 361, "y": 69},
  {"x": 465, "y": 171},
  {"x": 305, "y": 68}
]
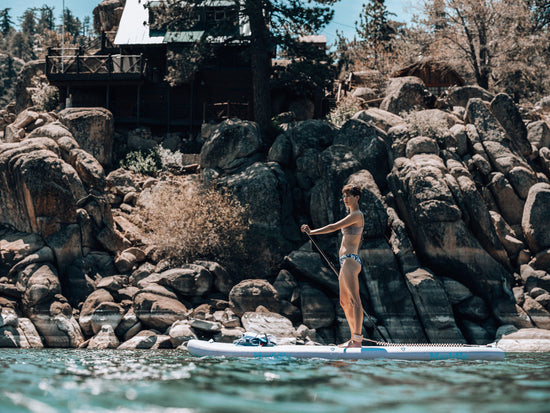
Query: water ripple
[{"x": 59, "y": 380}]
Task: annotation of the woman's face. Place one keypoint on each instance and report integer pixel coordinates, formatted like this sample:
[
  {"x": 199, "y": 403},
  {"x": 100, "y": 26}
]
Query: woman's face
[{"x": 349, "y": 199}]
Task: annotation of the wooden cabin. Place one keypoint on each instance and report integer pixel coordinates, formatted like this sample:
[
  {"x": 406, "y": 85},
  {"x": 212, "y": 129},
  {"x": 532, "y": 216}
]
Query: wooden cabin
[
  {"x": 437, "y": 76},
  {"x": 126, "y": 75}
]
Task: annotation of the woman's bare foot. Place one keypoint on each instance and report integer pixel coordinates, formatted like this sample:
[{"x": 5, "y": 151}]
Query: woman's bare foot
[{"x": 354, "y": 342}]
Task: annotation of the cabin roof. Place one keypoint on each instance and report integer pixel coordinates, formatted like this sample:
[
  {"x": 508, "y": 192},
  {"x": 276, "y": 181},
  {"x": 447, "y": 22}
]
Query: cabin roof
[{"x": 134, "y": 28}]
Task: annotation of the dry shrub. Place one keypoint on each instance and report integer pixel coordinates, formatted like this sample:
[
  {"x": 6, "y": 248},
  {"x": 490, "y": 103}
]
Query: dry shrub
[
  {"x": 344, "y": 110},
  {"x": 187, "y": 221}
]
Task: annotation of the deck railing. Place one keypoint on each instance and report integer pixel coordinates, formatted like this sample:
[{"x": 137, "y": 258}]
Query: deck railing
[
  {"x": 225, "y": 110},
  {"x": 77, "y": 67}
]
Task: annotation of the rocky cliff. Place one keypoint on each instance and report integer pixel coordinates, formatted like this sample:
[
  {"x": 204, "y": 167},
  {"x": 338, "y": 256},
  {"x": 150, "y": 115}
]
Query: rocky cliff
[{"x": 456, "y": 245}]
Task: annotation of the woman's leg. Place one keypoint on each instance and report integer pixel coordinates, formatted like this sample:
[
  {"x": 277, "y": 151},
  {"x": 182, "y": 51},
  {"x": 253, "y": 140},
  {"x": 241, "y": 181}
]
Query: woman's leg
[{"x": 350, "y": 299}]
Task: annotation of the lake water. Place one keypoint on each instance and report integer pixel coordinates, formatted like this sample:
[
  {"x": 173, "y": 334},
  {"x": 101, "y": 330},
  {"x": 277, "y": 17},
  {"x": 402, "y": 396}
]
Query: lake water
[{"x": 62, "y": 380}]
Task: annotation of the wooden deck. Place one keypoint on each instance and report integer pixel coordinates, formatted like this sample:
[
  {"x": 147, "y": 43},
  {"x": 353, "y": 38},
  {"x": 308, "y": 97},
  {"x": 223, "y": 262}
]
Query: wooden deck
[{"x": 96, "y": 67}]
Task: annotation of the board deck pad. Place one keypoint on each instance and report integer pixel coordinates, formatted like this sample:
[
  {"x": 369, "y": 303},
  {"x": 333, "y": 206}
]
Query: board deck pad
[{"x": 389, "y": 351}]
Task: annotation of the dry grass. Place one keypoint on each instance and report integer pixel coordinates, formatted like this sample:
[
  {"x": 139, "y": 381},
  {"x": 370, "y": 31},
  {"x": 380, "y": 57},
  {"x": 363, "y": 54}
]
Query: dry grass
[{"x": 187, "y": 221}]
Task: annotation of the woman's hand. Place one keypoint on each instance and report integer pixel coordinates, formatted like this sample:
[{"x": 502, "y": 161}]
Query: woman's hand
[{"x": 305, "y": 228}]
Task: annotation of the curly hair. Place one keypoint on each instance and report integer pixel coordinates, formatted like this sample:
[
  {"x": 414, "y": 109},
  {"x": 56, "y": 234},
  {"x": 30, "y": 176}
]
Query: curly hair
[{"x": 352, "y": 190}]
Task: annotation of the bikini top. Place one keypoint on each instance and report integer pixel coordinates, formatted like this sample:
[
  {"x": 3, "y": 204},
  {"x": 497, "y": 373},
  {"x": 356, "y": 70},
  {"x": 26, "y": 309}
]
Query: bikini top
[{"x": 352, "y": 230}]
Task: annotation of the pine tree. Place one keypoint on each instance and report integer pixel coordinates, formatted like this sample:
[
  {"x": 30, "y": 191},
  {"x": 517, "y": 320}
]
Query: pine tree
[
  {"x": 28, "y": 22},
  {"x": 272, "y": 23},
  {"x": 46, "y": 21},
  {"x": 5, "y": 21}
]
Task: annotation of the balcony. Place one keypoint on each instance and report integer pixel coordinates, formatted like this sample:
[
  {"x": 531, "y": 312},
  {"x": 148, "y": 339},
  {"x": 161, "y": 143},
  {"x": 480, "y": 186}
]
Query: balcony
[{"x": 96, "y": 67}]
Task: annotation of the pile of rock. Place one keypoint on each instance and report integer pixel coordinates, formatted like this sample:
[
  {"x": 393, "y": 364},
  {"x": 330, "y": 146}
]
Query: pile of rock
[{"x": 456, "y": 245}]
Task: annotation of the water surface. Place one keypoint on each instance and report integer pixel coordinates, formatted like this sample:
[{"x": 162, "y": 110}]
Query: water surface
[{"x": 67, "y": 380}]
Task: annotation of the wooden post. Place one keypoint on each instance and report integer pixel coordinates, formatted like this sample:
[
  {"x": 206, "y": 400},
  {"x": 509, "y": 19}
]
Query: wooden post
[{"x": 138, "y": 102}]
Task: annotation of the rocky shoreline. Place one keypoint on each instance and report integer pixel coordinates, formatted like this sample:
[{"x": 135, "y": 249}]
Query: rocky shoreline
[{"x": 456, "y": 248}]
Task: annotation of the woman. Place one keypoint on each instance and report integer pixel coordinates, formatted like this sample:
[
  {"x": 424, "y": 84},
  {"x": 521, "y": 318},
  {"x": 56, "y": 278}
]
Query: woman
[{"x": 350, "y": 263}]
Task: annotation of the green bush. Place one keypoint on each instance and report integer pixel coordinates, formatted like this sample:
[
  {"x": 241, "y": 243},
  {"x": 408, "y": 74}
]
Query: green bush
[
  {"x": 344, "y": 110},
  {"x": 147, "y": 162}
]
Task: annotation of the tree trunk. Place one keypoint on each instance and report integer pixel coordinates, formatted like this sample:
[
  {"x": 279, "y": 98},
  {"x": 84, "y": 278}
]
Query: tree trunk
[{"x": 260, "y": 62}]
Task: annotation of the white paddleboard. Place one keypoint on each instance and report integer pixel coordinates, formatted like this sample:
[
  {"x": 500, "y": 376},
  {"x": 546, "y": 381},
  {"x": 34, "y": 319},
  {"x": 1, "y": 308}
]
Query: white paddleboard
[{"x": 394, "y": 351}]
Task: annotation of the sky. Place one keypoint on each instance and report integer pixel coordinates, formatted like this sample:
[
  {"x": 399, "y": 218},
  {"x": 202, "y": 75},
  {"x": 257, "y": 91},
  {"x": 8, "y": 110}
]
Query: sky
[{"x": 345, "y": 16}]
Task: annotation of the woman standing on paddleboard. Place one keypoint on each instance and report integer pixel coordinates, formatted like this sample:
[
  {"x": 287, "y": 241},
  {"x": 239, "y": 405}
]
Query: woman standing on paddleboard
[{"x": 350, "y": 263}]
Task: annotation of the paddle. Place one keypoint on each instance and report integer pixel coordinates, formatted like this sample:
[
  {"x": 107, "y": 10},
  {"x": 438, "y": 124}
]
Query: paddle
[{"x": 336, "y": 272}]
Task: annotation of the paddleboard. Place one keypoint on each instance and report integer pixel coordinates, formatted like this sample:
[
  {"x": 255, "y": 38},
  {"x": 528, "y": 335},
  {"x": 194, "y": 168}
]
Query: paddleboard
[{"x": 393, "y": 351}]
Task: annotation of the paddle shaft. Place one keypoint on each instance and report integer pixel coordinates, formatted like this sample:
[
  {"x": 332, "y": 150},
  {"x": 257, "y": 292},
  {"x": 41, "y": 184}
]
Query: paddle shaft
[{"x": 337, "y": 275}]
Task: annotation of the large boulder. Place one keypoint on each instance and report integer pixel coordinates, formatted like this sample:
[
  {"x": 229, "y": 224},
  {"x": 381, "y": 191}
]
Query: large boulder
[
  {"x": 389, "y": 298},
  {"x": 538, "y": 134},
  {"x": 506, "y": 112},
  {"x": 38, "y": 190},
  {"x": 249, "y": 294},
  {"x": 264, "y": 188},
  {"x": 233, "y": 144},
  {"x": 404, "y": 94},
  {"x": 442, "y": 237},
  {"x": 317, "y": 308},
  {"x": 368, "y": 147},
  {"x": 264, "y": 322},
  {"x": 93, "y": 129},
  {"x": 434, "y": 308},
  {"x": 158, "y": 311},
  {"x": 380, "y": 118},
  {"x": 536, "y": 218},
  {"x": 460, "y": 95}
]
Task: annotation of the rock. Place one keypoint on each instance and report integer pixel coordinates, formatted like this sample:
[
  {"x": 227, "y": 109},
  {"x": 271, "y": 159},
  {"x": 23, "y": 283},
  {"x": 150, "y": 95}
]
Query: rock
[
  {"x": 52, "y": 187},
  {"x": 249, "y": 294},
  {"x": 15, "y": 247},
  {"x": 122, "y": 181},
  {"x": 534, "y": 278},
  {"x": 9, "y": 337},
  {"x": 266, "y": 191},
  {"x": 190, "y": 280},
  {"x": 106, "y": 314},
  {"x": 228, "y": 335},
  {"x": 526, "y": 340},
  {"x": 537, "y": 313},
  {"x": 93, "y": 129},
  {"x": 268, "y": 323},
  {"x": 310, "y": 134},
  {"x": 441, "y": 235},
  {"x": 506, "y": 112},
  {"x": 473, "y": 309},
  {"x": 368, "y": 146},
  {"x": 459, "y": 96},
  {"x": 223, "y": 280},
  {"x": 391, "y": 301},
  {"x": 205, "y": 326},
  {"x": 538, "y": 134},
  {"x": 104, "y": 339},
  {"x": 157, "y": 311},
  {"x": 180, "y": 333},
  {"x": 284, "y": 284},
  {"x": 231, "y": 145},
  {"x": 280, "y": 151},
  {"x": 145, "y": 339},
  {"x": 113, "y": 283},
  {"x": 88, "y": 168},
  {"x": 41, "y": 287},
  {"x": 24, "y": 85},
  {"x": 107, "y": 15},
  {"x": 509, "y": 203},
  {"x": 541, "y": 261},
  {"x": 128, "y": 323},
  {"x": 505, "y": 330},
  {"x": 365, "y": 93},
  {"x": 311, "y": 265},
  {"x": 456, "y": 292},
  {"x": 535, "y": 222},
  {"x": 317, "y": 308},
  {"x": 404, "y": 94},
  {"x": 421, "y": 144},
  {"x": 475, "y": 334},
  {"x": 381, "y": 118},
  {"x": 93, "y": 301},
  {"x": 227, "y": 318},
  {"x": 27, "y": 328},
  {"x": 434, "y": 310},
  {"x": 459, "y": 134},
  {"x": 8, "y": 317},
  {"x": 506, "y": 235},
  {"x": 544, "y": 300}
]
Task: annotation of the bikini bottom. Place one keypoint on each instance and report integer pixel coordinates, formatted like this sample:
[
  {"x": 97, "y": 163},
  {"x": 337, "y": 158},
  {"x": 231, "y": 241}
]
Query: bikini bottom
[{"x": 352, "y": 256}]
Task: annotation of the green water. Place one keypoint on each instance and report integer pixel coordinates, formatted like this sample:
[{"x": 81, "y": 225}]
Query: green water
[{"x": 174, "y": 381}]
